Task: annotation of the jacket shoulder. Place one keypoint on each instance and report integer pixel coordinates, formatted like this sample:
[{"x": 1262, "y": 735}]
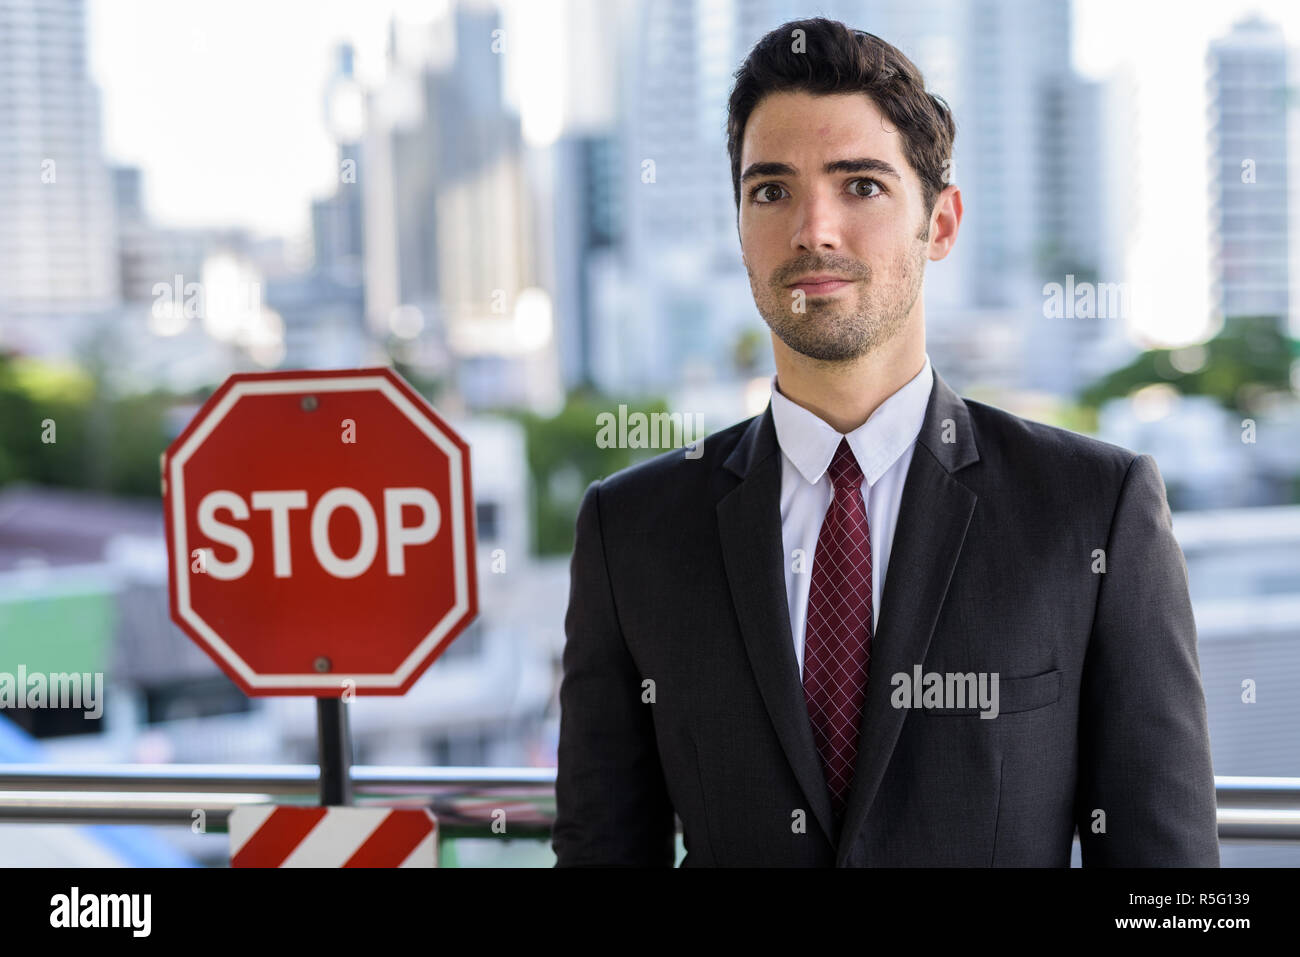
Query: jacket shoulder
[
  {"x": 676, "y": 467},
  {"x": 1035, "y": 449}
]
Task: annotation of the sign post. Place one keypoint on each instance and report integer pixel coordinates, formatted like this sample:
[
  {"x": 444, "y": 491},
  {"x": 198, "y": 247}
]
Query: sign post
[
  {"x": 320, "y": 536},
  {"x": 334, "y": 747}
]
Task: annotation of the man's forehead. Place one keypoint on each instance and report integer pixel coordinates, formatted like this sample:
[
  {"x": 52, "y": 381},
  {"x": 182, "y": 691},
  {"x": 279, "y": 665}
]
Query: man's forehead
[{"x": 848, "y": 124}]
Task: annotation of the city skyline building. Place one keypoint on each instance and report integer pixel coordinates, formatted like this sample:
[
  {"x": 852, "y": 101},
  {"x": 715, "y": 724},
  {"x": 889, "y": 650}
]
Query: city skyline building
[
  {"x": 1247, "y": 96},
  {"x": 58, "y": 263}
]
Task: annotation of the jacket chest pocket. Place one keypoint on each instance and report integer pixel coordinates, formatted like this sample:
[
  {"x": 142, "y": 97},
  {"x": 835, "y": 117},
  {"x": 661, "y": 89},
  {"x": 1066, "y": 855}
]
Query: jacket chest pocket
[{"x": 1009, "y": 695}]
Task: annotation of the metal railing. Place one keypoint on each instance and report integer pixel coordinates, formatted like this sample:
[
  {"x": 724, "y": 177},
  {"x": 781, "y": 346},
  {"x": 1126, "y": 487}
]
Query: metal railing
[{"x": 466, "y": 800}]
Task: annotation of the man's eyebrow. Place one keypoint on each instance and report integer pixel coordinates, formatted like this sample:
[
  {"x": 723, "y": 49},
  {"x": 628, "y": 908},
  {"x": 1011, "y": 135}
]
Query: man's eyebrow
[{"x": 862, "y": 164}]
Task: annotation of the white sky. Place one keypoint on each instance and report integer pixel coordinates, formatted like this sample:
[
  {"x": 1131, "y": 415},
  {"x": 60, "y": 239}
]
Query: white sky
[{"x": 222, "y": 106}]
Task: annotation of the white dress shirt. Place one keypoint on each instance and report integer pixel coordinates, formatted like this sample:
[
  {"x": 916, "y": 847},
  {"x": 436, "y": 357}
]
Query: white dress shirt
[{"x": 883, "y": 447}]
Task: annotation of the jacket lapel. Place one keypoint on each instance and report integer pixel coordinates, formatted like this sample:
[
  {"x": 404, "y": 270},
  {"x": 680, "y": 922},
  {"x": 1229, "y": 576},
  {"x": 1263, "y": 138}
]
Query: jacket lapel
[
  {"x": 749, "y": 526},
  {"x": 934, "y": 514}
]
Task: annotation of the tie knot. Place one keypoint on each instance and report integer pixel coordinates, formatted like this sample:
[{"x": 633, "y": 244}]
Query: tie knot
[{"x": 844, "y": 469}]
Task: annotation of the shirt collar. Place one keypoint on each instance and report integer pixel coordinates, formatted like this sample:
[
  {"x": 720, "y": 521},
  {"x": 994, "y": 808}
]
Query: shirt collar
[{"x": 810, "y": 443}]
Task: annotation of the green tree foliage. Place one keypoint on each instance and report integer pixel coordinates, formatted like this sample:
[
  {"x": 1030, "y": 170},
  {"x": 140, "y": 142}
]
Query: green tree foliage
[
  {"x": 1249, "y": 358},
  {"x": 105, "y": 444},
  {"x": 564, "y": 458},
  {"x": 747, "y": 350}
]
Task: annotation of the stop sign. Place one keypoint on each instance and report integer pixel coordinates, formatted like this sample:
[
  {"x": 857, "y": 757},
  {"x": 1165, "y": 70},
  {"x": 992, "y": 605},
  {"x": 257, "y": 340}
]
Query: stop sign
[{"x": 320, "y": 532}]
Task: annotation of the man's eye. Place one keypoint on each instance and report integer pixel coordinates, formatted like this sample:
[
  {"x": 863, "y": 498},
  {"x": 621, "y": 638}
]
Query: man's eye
[
  {"x": 760, "y": 189},
  {"x": 880, "y": 189}
]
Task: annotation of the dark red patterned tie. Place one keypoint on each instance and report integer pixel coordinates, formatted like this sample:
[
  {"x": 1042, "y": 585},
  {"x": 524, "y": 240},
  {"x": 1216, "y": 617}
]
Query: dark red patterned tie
[{"x": 837, "y": 637}]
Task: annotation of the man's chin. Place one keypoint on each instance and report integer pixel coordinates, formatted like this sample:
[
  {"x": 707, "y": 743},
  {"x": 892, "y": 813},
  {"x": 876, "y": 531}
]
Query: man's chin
[{"x": 824, "y": 351}]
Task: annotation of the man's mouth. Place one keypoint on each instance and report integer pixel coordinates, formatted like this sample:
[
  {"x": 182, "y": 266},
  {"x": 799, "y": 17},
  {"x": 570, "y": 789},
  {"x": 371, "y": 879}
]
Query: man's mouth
[{"x": 822, "y": 287}]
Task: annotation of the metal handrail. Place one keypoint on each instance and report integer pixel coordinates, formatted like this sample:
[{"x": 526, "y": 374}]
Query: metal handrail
[{"x": 467, "y": 800}]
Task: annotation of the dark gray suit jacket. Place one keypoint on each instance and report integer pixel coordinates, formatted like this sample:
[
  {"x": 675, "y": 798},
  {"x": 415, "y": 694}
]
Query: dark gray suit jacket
[{"x": 681, "y": 692}]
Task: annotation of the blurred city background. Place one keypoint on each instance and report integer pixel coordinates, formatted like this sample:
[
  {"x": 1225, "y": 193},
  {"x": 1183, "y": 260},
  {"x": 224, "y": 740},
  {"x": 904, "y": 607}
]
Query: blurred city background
[{"x": 526, "y": 209}]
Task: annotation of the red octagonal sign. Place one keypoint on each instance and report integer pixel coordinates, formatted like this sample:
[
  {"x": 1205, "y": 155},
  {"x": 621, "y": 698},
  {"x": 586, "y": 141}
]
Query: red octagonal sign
[{"x": 320, "y": 532}]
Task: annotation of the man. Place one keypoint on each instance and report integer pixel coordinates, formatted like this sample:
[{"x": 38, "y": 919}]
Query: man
[{"x": 877, "y": 625}]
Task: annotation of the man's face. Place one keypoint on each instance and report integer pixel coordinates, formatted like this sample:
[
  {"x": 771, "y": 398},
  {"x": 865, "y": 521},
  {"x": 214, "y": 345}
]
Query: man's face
[{"x": 864, "y": 221}]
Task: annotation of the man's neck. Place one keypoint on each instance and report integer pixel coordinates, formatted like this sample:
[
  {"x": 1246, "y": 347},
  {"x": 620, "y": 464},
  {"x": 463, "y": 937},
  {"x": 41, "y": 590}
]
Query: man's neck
[{"x": 844, "y": 394}]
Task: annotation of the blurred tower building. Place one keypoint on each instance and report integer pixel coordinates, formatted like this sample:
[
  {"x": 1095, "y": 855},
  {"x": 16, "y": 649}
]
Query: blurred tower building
[
  {"x": 586, "y": 218},
  {"x": 337, "y": 225},
  {"x": 1246, "y": 90},
  {"x": 57, "y": 256},
  {"x": 146, "y": 252},
  {"x": 322, "y": 309},
  {"x": 588, "y": 225},
  {"x": 688, "y": 294},
  {"x": 452, "y": 259}
]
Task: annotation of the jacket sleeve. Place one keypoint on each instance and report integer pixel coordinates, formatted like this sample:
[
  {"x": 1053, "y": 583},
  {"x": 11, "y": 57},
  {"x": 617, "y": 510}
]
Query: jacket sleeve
[
  {"x": 1144, "y": 745},
  {"x": 611, "y": 803}
]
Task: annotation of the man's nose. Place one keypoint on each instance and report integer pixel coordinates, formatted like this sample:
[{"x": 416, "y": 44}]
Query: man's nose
[{"x": 819, "y": 225}]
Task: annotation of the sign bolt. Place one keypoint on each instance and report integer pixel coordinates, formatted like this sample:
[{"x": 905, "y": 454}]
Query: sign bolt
[{"x": 321, "y": 664}]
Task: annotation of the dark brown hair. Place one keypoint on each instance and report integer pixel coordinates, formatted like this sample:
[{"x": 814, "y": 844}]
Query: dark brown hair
[{"x": 837, "y": 59}]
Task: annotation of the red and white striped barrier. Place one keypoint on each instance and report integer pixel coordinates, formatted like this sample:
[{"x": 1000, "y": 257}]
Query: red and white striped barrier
[{"x": 269, "y": 835}]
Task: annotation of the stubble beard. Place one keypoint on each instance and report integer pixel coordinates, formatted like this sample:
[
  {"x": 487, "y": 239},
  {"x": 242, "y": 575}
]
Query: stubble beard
[{"x": 841, "y": 328}]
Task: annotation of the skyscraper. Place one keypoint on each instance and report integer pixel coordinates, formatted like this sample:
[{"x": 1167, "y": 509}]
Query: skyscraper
[
  {"x": 1247, "y": 129},
  {"x": 450, "y": 249},
  {"x": 57, "y": 245}
]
